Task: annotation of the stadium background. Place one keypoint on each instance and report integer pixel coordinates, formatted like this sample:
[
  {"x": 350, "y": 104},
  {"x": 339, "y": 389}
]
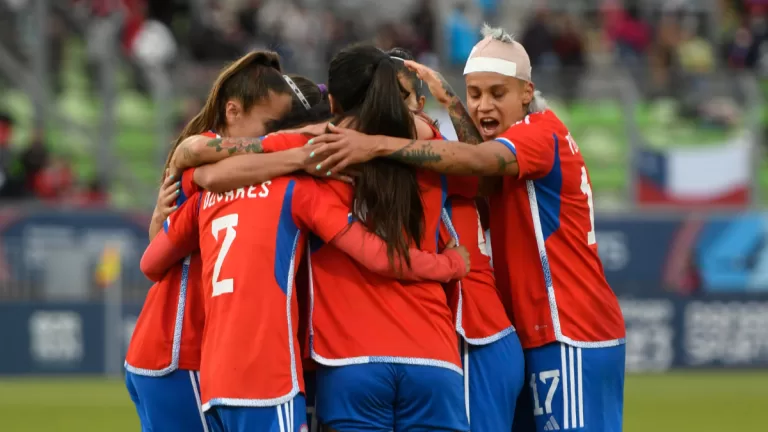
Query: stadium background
[{"x": 666, "y": 99}]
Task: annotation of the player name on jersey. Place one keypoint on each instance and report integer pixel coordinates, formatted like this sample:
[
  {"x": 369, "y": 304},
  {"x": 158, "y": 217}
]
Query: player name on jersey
[{"x": 261, "y": 191}]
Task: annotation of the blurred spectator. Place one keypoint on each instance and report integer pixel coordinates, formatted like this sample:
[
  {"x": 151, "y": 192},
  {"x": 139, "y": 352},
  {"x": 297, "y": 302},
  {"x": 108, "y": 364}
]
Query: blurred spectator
[
  {"x": 55, "y": 181},
  {"x": 34, "y": 159},
  {"x": 489, "y": 9},
  {"x": 663, "y": 54},
  {"x": 94, "y": 194},
  {"x": 569, "y": 47},
  {"x": 696, "y": 54},
  {"x": 630, "y": 34},
  {"x": 461, "y": 35},
  {"x": 538, "y": 39},
  {"x": 423, "y": 22},
  {"x": 6, "y": 125}
]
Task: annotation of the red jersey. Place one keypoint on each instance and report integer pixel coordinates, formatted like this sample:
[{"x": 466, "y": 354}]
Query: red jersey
[
  {"x": 250, "y": 242},
  {"x": 475, "y": 302},
  {"x": 169, "y": 331},
  {"x": 543, "y": 236},
  {"x": 407, "y": 323}
]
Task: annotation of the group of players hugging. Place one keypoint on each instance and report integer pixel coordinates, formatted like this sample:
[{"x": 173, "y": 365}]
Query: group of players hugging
[{"x": 321, "y": 263}]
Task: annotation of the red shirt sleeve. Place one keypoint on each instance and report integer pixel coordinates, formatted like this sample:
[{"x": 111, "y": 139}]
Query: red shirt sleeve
[
  {"x": 188, "y": 186},
  {"x": 318, "y": 209},
  {"x": 178, "y": 239},
  {"x": 371, "y": 252},
  {"x": 181, "y": 225},
  {"x": 283, "y": 141},
  {"x": 532, "y": 140}
]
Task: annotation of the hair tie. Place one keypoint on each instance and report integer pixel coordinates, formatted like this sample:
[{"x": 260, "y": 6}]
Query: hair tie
[
  {"x": 323, "y": 88},
  {"x": 298, "y": 92}
]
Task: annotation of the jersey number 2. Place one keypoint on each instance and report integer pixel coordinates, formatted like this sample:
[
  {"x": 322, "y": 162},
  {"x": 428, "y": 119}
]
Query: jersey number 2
[
  {"x": 586, "y": 189},
  {"x": 228, "y": 223}
]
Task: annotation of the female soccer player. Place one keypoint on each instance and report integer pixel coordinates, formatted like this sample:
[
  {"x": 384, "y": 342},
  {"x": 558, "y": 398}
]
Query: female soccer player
[
  {"x": 164, "y": 353},
  {"x": 250, "y": 369},
  {"x": 491, "y": 352},
  {"x": 542, "y": 220},
  {"x": 389, "y": 350}
]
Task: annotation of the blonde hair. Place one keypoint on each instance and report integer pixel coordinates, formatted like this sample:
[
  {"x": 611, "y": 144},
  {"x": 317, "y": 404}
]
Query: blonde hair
[
  {"x": 538, "y": 103},
  {"x": 496, "y": 33}
]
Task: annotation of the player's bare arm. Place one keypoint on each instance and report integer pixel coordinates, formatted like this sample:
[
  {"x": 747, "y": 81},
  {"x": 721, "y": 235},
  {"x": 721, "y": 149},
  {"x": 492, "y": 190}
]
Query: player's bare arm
[
  {"x": 200, "y": 150},
  {"x": 466, "y": 130},
  {"x": 344, "y": 147},
  {"x": 248, "y": 169}
]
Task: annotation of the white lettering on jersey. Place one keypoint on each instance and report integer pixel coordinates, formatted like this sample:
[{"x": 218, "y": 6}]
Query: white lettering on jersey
[{"x": 255, "y": 191}]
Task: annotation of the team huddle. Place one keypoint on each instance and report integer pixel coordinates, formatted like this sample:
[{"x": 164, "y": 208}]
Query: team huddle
[{"x": 321, "y": 262}]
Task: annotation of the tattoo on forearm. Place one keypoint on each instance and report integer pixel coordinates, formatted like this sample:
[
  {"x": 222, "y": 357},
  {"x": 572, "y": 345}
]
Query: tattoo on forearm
[
  {"x": 417, "y": 153},
  {"x": 237, "y": 145},
  {"x": 503, "y": 163},
  {"x": 188, "y": 157},
  {"x": 462, "y": 122}
]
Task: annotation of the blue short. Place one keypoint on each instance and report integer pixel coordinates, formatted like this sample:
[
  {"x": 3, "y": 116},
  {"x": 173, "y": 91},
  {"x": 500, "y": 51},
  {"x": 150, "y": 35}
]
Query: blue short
[
  {"x": 493, "y": 378},
  {"x": 168, "y": 403},
  {"x": 387, "y": 396},
  {"x": 287, "y": 417},
  {"x": 571, "y": 388}
]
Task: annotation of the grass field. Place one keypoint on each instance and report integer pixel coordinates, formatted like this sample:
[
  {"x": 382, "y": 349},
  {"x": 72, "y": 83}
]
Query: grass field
[{"x": 681, "y": 402}]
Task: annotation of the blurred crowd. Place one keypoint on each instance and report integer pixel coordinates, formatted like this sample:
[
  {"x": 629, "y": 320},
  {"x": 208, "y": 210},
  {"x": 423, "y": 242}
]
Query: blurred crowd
[
  {"x": 34, "y": 172},
  {"x": 668, "y": 45}
]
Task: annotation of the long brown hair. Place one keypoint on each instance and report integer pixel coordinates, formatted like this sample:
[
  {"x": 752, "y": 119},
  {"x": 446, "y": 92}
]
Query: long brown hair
[
  {"x": 363, "y": 83},
  {"x": 249, "y": 79}
]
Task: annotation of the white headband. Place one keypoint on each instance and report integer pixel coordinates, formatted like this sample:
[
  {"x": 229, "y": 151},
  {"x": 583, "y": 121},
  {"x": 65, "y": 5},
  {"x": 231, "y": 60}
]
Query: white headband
[
  {"x": 489, "y": 64},
  {"x": 298, "y": 92}
]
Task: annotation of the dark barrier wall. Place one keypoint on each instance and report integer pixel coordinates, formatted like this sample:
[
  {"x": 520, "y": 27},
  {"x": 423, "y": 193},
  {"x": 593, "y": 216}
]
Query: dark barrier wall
[
  {"x": 58, "y": 338},
  {"x": 662, "y": 333}
]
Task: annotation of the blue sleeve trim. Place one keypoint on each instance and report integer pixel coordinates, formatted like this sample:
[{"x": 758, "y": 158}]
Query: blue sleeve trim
[
  {"x": 166, "y": 224},
  {"x": 508, "y": 144}
]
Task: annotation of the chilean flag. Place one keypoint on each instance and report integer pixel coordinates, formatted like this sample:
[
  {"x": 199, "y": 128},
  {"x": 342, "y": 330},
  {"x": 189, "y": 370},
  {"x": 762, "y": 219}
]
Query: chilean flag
[{"x": 693, "y": 177}]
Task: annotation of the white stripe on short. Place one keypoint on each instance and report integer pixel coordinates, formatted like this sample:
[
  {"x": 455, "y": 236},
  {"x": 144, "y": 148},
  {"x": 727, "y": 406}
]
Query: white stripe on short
[
  {"x": 573, "y": 390},
  {"x": 194, "y": 378}
]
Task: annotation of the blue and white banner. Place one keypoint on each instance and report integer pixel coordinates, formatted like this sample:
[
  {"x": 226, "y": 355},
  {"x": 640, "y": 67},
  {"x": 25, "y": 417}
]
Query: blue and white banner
[{"x": 663, "y": 333}]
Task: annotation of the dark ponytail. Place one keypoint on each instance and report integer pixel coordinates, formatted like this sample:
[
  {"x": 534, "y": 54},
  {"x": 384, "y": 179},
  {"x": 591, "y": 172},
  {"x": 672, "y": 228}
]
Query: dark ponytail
[
  {"x": 319, "y": 109},
  {"x": 363, "y": 82}
]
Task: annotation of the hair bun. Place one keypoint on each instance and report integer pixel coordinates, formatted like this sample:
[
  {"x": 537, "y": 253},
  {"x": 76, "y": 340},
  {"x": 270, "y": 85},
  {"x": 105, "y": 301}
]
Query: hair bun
[{"x": 267, "y": 58}]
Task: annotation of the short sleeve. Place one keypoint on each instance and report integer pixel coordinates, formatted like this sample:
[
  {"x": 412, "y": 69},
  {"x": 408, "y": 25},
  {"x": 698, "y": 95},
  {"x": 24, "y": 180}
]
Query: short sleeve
[
  {"x": 319, "y": 209},
  {"x": 463, "y": 186},
  {"x": 181, "y": 225},
  {"x": 533, "y": 144},
  {"x": 188, "y": 186},
  {"x": 283, "y": 141}
]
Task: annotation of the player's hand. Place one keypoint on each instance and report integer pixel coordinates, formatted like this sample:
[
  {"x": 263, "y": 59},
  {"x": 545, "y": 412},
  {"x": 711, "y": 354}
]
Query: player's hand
[
  {"x": 166, "y": 198},
  {"x": 438, "y": 86},
  {"x": 332, "y": 153},
  {"x": 309, "y": 167},
  {"x": 462, "y": 251}
]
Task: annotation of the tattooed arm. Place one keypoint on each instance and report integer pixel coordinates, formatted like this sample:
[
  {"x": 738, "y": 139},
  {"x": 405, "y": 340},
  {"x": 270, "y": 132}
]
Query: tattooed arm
[
  {"x": 346, "y": 147},
  {"x": 465, "y": 128},
  {"x": 200, "y": 150}
]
